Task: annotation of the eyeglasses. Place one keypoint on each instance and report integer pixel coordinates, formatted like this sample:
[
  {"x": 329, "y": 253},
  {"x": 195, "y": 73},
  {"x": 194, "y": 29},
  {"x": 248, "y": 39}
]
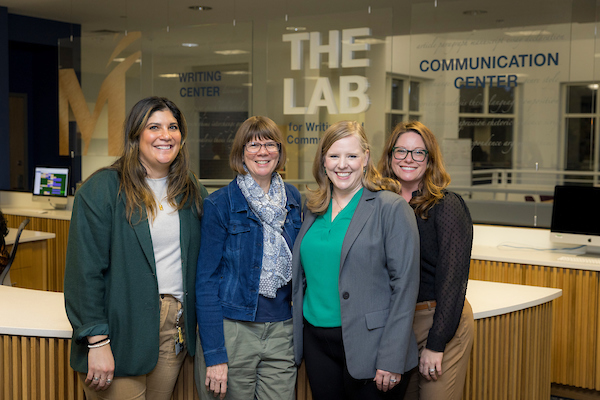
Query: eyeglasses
[
  {"x": 400, "y": 153},
  {"x": 254, "y": 147}
]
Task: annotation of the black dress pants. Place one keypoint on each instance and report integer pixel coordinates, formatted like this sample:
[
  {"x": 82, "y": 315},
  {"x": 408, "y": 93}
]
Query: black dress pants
[{"x": 328, "y": 373}]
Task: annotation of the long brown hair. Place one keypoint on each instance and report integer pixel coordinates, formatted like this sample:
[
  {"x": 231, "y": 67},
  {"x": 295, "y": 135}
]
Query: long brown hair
[
  {"x": 132, "y": 173},
  {"x": 435, "y": 179},
  {"x": 318, "y": 200}
]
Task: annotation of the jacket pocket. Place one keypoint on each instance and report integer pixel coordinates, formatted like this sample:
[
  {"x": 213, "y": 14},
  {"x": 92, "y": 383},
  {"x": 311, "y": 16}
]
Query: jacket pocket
[
  {"x": 377, "y": 319},
  {"x": 237, "y": 233}
]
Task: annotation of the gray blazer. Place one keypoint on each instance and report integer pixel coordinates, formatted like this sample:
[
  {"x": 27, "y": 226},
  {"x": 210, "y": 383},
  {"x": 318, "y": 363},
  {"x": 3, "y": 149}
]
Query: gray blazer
[{"x": 378, "y": 286}]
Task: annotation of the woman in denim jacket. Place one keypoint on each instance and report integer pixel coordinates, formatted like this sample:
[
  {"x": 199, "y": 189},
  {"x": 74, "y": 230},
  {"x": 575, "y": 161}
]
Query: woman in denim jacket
[{"x": 243, "y": 290}]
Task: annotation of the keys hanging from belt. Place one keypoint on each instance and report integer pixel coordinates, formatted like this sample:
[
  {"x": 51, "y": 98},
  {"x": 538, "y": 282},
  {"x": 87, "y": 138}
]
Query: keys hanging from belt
[{"x": 179, "y": 339}]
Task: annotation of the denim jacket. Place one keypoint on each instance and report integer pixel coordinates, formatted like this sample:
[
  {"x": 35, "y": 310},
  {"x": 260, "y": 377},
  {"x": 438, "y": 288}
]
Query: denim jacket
[{"x": 230, "y": 261}]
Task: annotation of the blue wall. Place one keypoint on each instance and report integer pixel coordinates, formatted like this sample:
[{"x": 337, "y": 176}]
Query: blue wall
[
  {"x": 4, "y": 150},
  {"x": 29, "y": 58}
]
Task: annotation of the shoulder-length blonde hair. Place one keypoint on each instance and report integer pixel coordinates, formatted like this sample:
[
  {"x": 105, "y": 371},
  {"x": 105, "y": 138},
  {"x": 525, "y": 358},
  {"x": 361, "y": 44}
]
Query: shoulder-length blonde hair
[
  {"x": 132, "y": 173},
  {"x": 435, "y": 179},
  {"x": 260, "y": 128},
  {"x": 318, "y": 200}
]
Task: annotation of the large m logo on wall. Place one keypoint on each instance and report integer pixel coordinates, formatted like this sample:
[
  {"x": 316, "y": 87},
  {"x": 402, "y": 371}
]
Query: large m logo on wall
[{"x": 112, "y": 92}]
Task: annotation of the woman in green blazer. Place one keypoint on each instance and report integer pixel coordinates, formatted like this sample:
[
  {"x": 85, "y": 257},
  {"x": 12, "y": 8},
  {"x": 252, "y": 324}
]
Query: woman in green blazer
[{"x": 131, "y": 261}]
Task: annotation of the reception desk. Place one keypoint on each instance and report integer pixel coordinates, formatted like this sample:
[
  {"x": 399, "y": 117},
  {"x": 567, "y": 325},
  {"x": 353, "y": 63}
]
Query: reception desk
[
  {"x": 522, "y": 256},
  {"x": 56, "y": 222},
  {"x": 510, "y": 358},
  {"x": 30, "y": 267}
]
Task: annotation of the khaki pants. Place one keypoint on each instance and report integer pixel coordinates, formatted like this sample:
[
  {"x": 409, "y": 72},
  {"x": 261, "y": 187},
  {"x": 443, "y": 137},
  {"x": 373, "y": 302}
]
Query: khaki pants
[
  {"x": 261, "y": 361},
  {"x": 159, "y": 383},
  {"x": 451, "y": 383}
]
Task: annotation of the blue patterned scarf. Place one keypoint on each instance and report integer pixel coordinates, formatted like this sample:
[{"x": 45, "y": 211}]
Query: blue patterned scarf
[{"x": 270, "y": 209}]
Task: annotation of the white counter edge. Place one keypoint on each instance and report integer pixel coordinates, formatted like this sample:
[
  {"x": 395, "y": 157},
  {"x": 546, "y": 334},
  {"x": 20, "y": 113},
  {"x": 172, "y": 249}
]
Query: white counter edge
[
  {"x": 36, "y": 212},
  {"x": 27, "y": 236},
  {"x": 490, "y": 299},
  {"x": 42, "y": 314}
]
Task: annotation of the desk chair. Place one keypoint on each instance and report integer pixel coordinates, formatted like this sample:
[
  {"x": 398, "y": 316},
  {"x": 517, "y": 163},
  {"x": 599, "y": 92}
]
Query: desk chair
[{"x": 5, "y": 276}]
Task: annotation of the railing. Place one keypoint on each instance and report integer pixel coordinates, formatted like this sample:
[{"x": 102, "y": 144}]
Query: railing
[
  {"x": 507, "y": 184},
  {"x": 548, "y": 178}
]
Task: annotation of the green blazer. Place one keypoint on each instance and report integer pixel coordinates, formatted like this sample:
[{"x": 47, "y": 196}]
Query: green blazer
[{"x": 110, "y": 277}]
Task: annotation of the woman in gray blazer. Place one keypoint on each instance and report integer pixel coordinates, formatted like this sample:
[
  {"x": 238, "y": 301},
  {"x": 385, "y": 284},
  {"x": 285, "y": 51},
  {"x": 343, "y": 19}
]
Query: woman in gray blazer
[{"x": 355, "y": 275}]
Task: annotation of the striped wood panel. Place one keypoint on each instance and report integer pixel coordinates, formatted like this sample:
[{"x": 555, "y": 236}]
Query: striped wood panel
[
  {"x": 510, "y": 360},
  {"x": 575, "y": 349},
  {"x": 33, "y": 368},
  {"x": 57, "y": 247},
  {"x": 511, "y": 356}
]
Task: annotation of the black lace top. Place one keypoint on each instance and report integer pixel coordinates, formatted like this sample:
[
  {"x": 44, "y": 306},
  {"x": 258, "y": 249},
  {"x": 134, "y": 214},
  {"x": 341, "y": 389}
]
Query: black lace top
[{"x": 446, "y": 240}]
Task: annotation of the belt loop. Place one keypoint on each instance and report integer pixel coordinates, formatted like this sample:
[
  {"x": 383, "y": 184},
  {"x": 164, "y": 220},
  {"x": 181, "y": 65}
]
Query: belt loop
[{"x": 429, "y": 307}]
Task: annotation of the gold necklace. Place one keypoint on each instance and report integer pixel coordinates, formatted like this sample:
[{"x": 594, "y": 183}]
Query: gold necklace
[
  {"x": 336, "y": 202},
  {"x": 160, "y": 206}
]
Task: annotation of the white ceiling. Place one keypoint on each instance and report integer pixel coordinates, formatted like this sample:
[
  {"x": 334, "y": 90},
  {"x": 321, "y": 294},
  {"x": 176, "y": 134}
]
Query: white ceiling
[{"x": 121, "y": 15}]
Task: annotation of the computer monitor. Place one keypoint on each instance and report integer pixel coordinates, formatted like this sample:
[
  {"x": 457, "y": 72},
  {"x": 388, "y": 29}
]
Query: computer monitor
[
  {"x": 50, "y": 186},
  {"x": 576, "y": 217}
]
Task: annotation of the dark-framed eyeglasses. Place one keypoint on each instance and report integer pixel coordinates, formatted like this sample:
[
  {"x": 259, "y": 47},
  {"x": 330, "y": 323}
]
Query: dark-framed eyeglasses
[
  {"x": 400, "y": 153},
  {"x": 271, "y": 147}
]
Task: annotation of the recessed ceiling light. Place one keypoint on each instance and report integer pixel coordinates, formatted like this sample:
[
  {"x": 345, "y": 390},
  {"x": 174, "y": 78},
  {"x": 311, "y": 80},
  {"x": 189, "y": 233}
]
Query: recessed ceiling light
[
  {"x": 200, "y": 8},
  {"x": 295, "y": 28},
  {"x": 230, "y": 52},
  {"x": 168, "y": 76},
  {"x": 121, "y": 59},
  {"x": 189, "y": 44},
  {"x": 473, "y": 13},
  {"x": 594, "y": 86},
  {"x": 370, "y": 41},
  {"x": 528, "y": 33},
  {"x": 236, "y": 73}
]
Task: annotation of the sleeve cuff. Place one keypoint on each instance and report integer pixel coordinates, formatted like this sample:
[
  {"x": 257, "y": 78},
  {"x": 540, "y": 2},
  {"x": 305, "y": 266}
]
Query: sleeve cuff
[{"x": 101, "y": 329}]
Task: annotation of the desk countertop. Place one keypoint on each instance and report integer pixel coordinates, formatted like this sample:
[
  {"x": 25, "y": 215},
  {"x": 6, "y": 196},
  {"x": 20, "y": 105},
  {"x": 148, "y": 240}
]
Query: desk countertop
[
  {"x": 38, "y": 213},
  {"x": 28, "y": 312},
  {"x": 489, "y": 299},
  {"x": 523, "y": 256},
  {"x": 27, "y": 236},
  {"x": 37, "y": 313}
]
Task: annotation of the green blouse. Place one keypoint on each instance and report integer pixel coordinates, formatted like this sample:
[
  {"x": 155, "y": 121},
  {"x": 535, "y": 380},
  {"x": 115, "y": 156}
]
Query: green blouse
[{"x": 320, "y": 254}]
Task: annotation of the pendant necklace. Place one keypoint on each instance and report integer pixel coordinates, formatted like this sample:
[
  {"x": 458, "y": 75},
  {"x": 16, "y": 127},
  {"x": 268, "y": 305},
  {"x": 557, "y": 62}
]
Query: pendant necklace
[{"x": 163, "y": 196}]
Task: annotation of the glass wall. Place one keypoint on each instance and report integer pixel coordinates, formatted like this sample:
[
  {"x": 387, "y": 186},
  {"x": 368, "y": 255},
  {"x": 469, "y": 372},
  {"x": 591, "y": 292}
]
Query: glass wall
[{"x": 510, "y": 92}]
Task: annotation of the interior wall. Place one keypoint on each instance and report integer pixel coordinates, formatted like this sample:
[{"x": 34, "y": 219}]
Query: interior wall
[
  {"x": 538, "y": 135},
  {"x": 29, "y": 65},
  {"x": 4, "y": 129}
]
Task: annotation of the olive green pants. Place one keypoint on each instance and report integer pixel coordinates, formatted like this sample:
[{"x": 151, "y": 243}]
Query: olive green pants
[{"x": 261, "y": 361}]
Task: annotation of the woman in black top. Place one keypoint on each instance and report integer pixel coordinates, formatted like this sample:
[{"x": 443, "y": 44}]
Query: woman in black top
[{"x": 443, "y": 319}]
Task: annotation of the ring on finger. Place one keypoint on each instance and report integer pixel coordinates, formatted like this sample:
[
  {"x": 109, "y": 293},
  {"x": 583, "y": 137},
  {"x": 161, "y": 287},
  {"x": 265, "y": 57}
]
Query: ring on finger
[
  {"x": 393, "y": 380},
  {"x": 96, "y": 379}
]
